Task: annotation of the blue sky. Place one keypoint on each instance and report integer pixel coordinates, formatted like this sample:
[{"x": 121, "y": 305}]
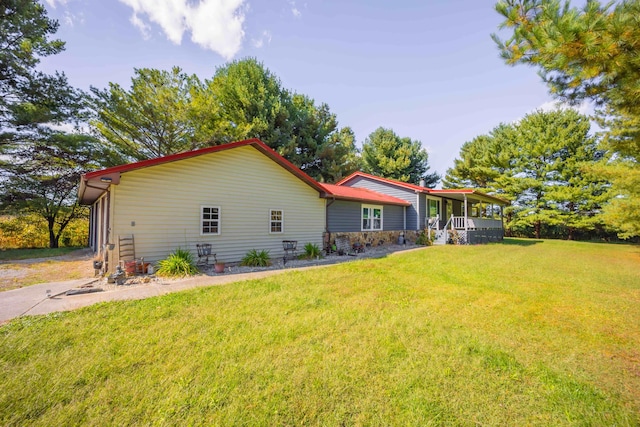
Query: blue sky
[{"x": 426, "y": 69}]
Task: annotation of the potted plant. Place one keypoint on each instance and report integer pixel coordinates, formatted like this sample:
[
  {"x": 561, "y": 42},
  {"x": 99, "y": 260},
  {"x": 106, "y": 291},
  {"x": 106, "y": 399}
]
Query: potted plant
[{"x": 218, "y": 265}]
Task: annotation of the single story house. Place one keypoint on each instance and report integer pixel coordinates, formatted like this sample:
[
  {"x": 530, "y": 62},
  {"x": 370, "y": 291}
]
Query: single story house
[
  {"x": 244, "y": 196},
  {"x": 476, "y": 217}
]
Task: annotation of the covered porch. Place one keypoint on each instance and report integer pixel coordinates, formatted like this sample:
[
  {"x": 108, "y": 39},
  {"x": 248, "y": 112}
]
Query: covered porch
[{"x": 469, "y": 217}]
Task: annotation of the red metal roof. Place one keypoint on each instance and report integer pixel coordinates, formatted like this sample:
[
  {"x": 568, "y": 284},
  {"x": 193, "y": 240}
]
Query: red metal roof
[
  {"x": 451, "y": 192},
  {"x": 256, "y": 143},
  {"x": 387, "y": 180},
  {"x": 93, "y": 184},
  {"x": 89, "y": 193},
  {"x": 362, "y": 195}
]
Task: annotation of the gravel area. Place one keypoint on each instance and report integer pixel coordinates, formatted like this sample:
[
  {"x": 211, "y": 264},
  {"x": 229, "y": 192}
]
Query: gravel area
[{"x": 276, "y": 264}]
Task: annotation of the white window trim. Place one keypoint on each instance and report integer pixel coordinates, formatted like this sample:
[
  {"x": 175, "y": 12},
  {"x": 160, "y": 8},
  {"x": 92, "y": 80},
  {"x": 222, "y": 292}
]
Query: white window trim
[
  {"x": 438, "y": 206},
  {"x": 202, "y": 233},
  {"x": 381, "y": 217},
  {"x": 281, "y": 221}
]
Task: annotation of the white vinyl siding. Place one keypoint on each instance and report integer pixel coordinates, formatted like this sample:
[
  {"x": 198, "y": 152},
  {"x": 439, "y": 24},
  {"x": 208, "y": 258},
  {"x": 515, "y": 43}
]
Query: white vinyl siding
[
  {"x": 276, "y": 221},
  {"x": 163, "y": 201},
  {"x": 371, "y": 217},
  {"x": 209, "y": 220}
]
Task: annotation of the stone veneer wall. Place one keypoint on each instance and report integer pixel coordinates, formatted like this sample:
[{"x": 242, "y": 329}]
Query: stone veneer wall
[{"x": 376, "y": 238}]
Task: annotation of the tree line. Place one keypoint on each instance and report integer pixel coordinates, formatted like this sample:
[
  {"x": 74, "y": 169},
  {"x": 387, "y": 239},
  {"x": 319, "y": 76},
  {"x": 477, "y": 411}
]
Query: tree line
[
  {"x": 51, "y": 133},
  {"x": 591, "y": 53},
  {"x": 562, "y": 180}
]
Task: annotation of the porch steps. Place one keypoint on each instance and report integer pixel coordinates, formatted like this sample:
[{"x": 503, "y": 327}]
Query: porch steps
[{"x": 441, "y": 238}]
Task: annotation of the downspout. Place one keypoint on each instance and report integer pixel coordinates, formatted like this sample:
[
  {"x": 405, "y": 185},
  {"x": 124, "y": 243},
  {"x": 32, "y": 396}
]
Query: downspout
[
  {"x": 326, "y": 213},
  {"x": 326, "y": 222},
  {"x": 404, "y": 218},
  {"x": 417, "y": 210}
]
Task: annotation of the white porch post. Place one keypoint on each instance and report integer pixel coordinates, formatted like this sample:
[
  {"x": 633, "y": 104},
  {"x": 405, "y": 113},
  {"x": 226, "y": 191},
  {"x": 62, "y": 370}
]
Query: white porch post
[{"x": 465, "y": 213}]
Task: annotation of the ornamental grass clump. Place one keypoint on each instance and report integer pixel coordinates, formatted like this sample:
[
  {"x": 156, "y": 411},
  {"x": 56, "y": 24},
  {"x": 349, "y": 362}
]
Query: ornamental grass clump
[
  {"x": 311, "y": 251},
  {"x": 255, "y": 258},
  {"x": 178, "y": 264}
]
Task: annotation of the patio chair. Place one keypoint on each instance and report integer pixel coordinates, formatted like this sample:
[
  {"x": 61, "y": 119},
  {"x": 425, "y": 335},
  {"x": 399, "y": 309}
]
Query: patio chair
[
  {"x": 290, "y": 249},
  {"x": 204, "y": 252}
]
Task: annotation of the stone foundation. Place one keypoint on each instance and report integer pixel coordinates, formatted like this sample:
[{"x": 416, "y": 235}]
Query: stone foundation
[{"x": 374, "y": 238}]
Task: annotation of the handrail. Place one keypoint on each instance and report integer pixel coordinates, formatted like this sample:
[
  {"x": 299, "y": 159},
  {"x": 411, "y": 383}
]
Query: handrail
[
  {"x": 448, "y": 222},
  {"x": 433, "y": 223}
]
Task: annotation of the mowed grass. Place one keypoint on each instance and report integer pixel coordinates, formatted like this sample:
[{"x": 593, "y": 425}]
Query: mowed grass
[
  {"x": 521, "y": 333},
  {"x": 19, "y": 254}
]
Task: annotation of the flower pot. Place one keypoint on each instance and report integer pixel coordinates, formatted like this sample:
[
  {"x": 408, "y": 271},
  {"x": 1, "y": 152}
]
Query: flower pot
[
  {"x": 130, "y": 268},
  {"x": 219, "y": 267},
  {"x": 97, "y": 265}
]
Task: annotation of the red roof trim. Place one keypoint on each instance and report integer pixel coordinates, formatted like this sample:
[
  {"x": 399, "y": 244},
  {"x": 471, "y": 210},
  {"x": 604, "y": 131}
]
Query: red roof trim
[
  {"x": 418, "y": 188},
  {"x": 387, "y": 180},
  {"x": 341, "y": 192},
  {"x": 256, "y": 143}
]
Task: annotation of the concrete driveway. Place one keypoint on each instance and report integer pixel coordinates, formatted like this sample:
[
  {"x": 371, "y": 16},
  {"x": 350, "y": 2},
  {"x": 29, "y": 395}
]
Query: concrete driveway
[{"x": 35, "y": 299}]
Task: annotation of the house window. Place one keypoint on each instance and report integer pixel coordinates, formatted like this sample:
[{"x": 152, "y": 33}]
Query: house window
[
  {"x": 434, "y": 208},
  {"x": 210, "y": 220},
  {"x": 276, "y": 221},
  {"x": 371, "y": 217}
]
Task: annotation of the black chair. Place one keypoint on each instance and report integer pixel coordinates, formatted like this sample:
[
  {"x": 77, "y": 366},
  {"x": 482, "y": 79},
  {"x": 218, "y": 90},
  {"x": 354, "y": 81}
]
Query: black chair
[
  {"x": 204, "y": 252},
  {"x": 290, "y": 251}
]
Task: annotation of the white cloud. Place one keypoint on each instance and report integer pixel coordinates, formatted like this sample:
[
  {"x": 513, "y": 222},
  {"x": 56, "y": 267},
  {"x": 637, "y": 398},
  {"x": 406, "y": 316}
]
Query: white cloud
[
  {"x": 294, "y": 9},
  {"x": 141, "y": 25},
  {"x": 71, "y": 19},
  {"x": 214, "y": 24},
  {"x": 52, "y": 3},
  {"x": 265, "y": 37},
  {"x": 584, "y": 107}
]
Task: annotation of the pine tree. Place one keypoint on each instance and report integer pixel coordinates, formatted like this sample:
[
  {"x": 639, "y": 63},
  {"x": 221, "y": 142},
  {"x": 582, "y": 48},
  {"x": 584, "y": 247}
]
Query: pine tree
[
  {"x": 593, "y": 54},
  {"x": 387, "y": 155}
]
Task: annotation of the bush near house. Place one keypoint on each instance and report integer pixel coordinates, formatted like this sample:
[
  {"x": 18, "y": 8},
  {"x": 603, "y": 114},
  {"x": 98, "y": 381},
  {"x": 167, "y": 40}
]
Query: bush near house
[
  {"x": 311, "y": 250},
  {"x": 178, "y": 264},
  {"x": 255, "y": 258}
]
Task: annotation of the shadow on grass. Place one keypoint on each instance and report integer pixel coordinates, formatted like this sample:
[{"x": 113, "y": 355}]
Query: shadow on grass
[{"x": 520, "y": 242}]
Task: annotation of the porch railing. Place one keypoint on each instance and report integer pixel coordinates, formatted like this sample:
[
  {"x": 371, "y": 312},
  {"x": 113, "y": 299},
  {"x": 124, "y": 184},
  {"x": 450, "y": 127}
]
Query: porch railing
[{"x": 458, "y": 222}]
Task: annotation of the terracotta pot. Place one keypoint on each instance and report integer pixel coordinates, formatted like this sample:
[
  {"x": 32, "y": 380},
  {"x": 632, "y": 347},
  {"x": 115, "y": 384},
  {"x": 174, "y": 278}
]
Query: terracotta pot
[
  {"x": 219, "y": 267},
  {"x": 130, "y": 267}
]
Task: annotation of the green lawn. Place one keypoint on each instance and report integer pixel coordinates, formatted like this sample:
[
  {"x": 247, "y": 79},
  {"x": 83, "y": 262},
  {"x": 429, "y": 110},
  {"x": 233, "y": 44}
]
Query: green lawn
[{"x": 522, "y": 333}]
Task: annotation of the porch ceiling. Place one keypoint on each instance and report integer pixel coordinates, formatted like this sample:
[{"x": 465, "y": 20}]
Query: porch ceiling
[{"x": 471, "y": 195}]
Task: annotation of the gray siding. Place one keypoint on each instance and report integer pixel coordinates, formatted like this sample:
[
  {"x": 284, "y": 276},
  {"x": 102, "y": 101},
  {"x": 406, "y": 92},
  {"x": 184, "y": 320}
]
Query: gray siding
[
  {"x": 345, "y": 216},
  {"x": 422, "y": 212},
  {"x": 392, "y": 190},
  {"x": 393, "y": 218}
]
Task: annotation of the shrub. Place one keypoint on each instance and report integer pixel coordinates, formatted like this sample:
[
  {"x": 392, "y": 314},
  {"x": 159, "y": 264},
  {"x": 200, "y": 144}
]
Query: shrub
[
  {"x": 425, "y": 238},
  {"x": 178, "y": 263},
  {"x": 311, "y": 250},
  {"x": 253, "y": 258}
]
